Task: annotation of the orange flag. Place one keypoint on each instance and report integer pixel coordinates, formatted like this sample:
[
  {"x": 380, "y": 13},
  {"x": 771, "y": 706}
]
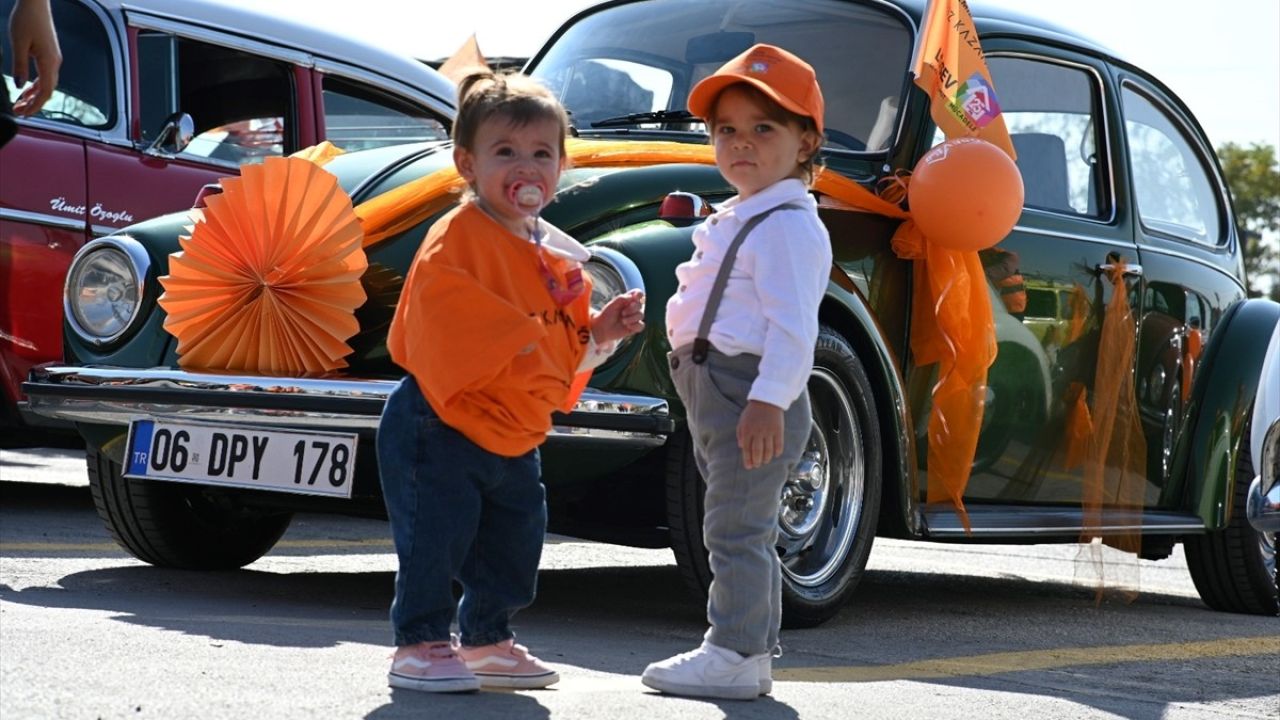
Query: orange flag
[
  {"x": 466, "y": 60},
  {"x": 950, "y": 67}
]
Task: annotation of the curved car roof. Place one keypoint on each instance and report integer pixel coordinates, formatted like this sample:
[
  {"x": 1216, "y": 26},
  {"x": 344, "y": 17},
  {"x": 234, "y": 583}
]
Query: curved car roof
[
  {"x": 997, "y": 20},
  {"x": 259, "y": 26}
]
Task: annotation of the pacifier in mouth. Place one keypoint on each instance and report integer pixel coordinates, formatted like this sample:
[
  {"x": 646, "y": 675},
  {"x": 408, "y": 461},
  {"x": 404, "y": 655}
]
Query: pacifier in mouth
[{"x": 527, "y": 196}]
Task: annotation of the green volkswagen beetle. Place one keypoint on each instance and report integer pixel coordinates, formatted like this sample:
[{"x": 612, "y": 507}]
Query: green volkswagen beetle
[{"x": 1126, "y": 218}]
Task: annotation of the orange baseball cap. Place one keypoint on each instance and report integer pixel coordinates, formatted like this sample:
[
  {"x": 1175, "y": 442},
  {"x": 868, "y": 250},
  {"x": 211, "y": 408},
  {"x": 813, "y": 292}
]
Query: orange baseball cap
[{"x": 788, "y": 80}]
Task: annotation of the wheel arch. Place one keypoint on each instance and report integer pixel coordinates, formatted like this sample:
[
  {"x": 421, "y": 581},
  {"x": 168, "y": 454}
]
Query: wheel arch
[
  {"x": 1222, "y": 395},
  {"x": 846, "y": 311}
]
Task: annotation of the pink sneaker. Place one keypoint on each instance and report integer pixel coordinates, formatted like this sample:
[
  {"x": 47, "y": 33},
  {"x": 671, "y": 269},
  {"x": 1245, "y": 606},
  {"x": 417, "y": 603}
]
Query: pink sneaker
[
  {"x": 507, "y": 665},
  {"x": 431, "y": 667}
]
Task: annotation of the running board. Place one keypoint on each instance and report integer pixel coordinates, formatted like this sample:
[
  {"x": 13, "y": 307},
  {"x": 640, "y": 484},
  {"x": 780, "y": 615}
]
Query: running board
[{"x": 1048, "y": 522}]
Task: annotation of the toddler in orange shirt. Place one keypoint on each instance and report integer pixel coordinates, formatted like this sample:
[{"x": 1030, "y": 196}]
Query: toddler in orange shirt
[{"x": 494, "y": 326}]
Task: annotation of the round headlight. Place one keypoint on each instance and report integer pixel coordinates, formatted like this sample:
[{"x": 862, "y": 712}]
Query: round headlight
[
  {"x": 103, "y": 291},
  {"x": 612, "y": 274},
  {"x": 606, "y": 283}
]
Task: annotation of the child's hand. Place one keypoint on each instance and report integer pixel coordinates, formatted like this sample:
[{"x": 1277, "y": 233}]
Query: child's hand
[
  {"x": 623, "y": 316},
  {"x": 760, "y": 433}
]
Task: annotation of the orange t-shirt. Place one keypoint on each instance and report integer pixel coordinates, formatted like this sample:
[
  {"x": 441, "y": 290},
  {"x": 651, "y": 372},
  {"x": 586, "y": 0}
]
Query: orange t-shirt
[{"x": 478, "y": 330}]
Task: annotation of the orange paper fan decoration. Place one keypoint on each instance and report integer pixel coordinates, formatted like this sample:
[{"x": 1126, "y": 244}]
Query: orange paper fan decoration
[{"x": 269, "y": 279}]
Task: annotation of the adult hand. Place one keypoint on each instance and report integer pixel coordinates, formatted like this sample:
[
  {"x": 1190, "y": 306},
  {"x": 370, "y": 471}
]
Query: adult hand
[
  {"x": 623, "y": 316},
  {"x": 33, "y": 38},
  {"x": 760, "y": 433}
]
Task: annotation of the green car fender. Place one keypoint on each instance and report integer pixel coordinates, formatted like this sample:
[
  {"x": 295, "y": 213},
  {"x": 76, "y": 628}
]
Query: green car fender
[
  {"x": 1222, "y": 396},
  {"x": 845, "y": 310}
]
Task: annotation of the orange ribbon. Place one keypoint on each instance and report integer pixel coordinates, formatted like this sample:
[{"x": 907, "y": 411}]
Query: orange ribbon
[{"x": 951, "y": 325}]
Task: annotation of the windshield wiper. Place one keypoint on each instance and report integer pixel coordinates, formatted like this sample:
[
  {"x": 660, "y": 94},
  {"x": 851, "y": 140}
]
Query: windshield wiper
[{"x": 657, "y": 116}]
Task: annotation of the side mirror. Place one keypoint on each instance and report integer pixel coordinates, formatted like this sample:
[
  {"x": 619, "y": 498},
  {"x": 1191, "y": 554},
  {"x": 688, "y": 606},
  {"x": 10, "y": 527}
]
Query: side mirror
[{"x": 174, "y": 136}]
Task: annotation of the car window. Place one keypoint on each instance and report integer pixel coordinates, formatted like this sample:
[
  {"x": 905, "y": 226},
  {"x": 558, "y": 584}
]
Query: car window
[
  {"x": 1174, "y": 193},
  {"x": 601, "y": 87},
  {"x": 633, "y": 58},
  {"x": 85, "y": 95},
  {"x": 1051, "y": 112},
  {"x": 241, "y": 103},
  {"x": 358, "y": 117}
]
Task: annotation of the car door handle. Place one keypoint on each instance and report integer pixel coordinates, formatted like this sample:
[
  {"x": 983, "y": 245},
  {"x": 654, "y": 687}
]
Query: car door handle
[{"x": 1129, "y": 270}]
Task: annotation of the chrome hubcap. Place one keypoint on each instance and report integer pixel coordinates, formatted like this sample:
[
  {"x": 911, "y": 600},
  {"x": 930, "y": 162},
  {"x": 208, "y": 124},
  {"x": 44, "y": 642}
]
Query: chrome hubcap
[
  {"x": 1267, "y": 543},
  {"x": 822, "y": 499}
]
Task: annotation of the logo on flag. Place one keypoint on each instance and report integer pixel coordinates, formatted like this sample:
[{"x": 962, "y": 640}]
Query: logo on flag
[{"x": 976, "y": 100}]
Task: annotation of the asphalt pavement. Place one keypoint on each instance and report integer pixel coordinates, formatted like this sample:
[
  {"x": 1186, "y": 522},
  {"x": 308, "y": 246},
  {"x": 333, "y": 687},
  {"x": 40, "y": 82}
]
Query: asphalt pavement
[{"x": 935, "y": 631}]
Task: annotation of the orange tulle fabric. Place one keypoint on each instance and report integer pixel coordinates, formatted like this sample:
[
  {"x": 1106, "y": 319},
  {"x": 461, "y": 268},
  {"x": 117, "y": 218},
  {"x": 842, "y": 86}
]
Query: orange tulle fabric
[
  {"x": 1105, "y": 437},
  {"x": 1115, "y": 465},
  {"x": 1079, "y": 427},
  {"x": 1105, "y": 440},
  {"x": 1079, "y": 307},
  {"x": 951, "y": 325}
]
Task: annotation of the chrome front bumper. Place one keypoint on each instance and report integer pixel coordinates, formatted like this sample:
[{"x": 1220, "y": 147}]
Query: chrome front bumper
[
  {"x": 1263, "y": 507},
  {"x": 115, "y": 396}
]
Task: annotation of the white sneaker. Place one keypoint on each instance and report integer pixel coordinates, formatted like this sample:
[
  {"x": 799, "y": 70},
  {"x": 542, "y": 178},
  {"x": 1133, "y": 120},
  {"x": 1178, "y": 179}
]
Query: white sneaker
[
  {"x": 709, "y": 671},
  {"x": 766, "y": 669}
]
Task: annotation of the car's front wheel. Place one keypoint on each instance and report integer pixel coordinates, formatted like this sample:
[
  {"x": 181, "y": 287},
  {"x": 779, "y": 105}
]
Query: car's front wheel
[
  {"x": 180, "y": 526},
  {"x": 829, "y": 506},
  {"x": 1234, "y": 569}
]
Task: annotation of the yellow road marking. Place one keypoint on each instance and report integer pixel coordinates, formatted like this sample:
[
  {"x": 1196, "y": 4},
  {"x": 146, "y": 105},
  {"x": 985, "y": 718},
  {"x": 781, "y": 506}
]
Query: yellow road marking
[
  {"x": 112, "y": 547},
  {"x": 1053, "y": 658}
]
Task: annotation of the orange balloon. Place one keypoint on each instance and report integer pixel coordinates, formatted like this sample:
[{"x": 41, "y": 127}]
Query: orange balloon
[{"x": 965, "y": 194}]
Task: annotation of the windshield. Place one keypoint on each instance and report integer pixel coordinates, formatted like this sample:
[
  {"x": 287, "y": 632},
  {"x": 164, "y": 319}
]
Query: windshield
[{"x": 645, "y": 56}]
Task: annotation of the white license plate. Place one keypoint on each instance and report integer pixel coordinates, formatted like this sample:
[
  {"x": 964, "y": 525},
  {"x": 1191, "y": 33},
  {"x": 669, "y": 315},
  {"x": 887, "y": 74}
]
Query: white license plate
[{"x": 309, "y": 463}]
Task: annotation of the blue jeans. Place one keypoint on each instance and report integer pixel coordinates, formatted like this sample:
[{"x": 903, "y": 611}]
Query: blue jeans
[{"x": 458, "y": 512}]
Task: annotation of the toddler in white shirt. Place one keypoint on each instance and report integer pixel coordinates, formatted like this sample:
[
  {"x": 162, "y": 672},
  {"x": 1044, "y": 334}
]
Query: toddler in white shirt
[{"x": 743, "y": 325}]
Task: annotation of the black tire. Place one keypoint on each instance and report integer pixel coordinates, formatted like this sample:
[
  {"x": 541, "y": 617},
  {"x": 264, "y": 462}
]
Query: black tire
[
  {"x": 824, "y": 548},
  {"x": 1234, "y": 569},
  {"x": 180, "y": 526}
]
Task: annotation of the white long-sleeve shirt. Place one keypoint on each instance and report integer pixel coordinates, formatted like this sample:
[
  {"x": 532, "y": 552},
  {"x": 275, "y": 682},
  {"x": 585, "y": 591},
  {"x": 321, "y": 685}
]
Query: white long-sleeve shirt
[{"x": 770, "y": 305}]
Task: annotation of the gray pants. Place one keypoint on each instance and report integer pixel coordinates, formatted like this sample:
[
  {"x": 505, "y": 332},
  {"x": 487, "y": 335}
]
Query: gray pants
[{"x": 740, "y": 528}]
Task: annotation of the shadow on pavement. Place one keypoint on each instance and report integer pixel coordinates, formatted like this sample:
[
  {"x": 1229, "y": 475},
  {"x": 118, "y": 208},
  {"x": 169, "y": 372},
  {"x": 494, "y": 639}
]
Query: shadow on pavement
[{"x": 417, "y": 705}]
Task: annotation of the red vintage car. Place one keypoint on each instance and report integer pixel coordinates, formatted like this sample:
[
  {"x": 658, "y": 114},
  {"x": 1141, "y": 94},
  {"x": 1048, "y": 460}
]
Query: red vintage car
[{"x": 156, "y": 99}]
